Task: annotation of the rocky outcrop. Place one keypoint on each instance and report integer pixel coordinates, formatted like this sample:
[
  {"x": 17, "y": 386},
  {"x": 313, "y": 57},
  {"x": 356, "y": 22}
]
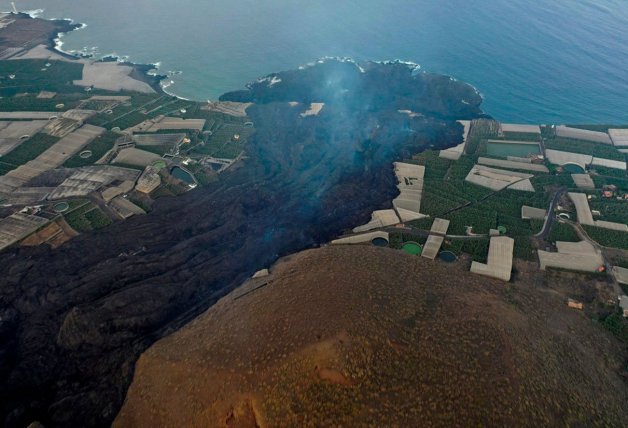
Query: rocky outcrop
[{"x": 366, "y": 336}]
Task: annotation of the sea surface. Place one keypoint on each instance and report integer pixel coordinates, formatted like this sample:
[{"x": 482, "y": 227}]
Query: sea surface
[{"x": 534, "y": 61}]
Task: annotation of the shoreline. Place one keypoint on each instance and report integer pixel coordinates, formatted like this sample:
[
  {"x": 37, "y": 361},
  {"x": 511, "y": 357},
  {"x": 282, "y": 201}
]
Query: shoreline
[
  {"x": 160, "y": 82},
  {"x": 141, "y": 72}
]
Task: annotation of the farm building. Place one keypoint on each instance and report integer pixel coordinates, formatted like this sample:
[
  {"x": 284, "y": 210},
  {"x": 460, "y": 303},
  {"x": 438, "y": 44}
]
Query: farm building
[
  {"x": 583, "y": 181},
  {"x": 27, "y": 115},
  {"x": 558, "y": 157},
  {"x": 115, "y": 98},
  {"x": 585, "y": 216},
  {"x": 408, "y": 203},
  {"x": 52, "y": 158},
  {"x": 379, "y": 219},
  {"x": 162, "y": 123},
  {"x": 91, "y": 178},
  {"x": 158, "y": 139},
  {"x": 14, "y": 133},
  {"x": 133, "y": 156},
  {"x": 17, "y": 227},
  {"x": 574, "y": 304},
  {"x": 620, "y": 227},
  {"x": 227, "y": 107},
  {"x": 113, "y": 191},
  {"x": 623, "y": 305},
  {"x": 583, "y": 134},
  {"x": 498, "y": 179},
  {"x": 582, "y": 208},
  {"x": 454, "y": 153},
  {"x": 148, "y": 181},
  {"x": 46, "y": 95},
  {"x": 619, "y": 137},
  {"x": 26, "y": 195},
  {"x": 436, "y": 238},
  {"x": 499, "y": 263},
  {"x": 609, "y": 163},
  {"x": 360, "y": 239},
  {"x": 621, "y": 275},
  {"x": 528, "y": 213},
  {"x": 525, "y": 166},
  {"x": 576, "y": 256},
  {"x": 521, "y": 129},
  {"x": 518, "y": 159},
  {"x": 125, "y": 208}
]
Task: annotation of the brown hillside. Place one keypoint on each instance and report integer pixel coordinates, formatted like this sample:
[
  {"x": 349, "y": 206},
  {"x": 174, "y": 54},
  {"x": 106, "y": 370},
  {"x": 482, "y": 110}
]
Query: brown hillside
[{"x": 361, "y": 336}]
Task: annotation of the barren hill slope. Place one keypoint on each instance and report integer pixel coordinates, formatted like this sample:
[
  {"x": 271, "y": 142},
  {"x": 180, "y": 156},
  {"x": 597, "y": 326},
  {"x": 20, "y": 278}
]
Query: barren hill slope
[{"x": 361, "y": 336}]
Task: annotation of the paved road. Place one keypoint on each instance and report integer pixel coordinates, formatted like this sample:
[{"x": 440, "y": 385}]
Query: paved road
[
  {"x": 424, "y": 233},
  {"x": 549, "y": 220},
  {"x": 482, "y": 199}
]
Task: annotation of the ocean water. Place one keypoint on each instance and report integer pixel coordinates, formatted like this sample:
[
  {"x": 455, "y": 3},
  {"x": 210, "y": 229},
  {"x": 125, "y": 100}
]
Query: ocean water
[{"x": 535, "y": 61}]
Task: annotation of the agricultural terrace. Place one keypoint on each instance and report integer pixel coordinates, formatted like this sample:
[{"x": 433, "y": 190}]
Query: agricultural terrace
[
  {"x": 34, "y": 91},
  {"x": 84, "y": 216},
  {"x": 475, "y": 210},
  {"x": 36, "y": 75}
]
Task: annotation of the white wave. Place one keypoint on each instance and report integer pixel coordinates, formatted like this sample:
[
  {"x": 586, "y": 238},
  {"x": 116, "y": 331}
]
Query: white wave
[
  {"x": 59, "y": 43},
  {"x": 274, "y": 81},
  {"x": 164, "y": 87},
  {"x": 323, "y": 60},
  {"x": 35, "y": 13}
]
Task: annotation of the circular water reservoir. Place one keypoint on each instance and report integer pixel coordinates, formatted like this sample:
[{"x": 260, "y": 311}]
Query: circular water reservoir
[
  {"x": 60, "y": 106},
  {"x": 61, "y": 207},
  {"x": 412, "y": 248},
  {"x": 564, "y": 216},
  {"x": 502, "y": 230},
  {"x": 447, "y": 256},
  {"x": 85, "y": 154},
  {"x": 573, "y": 168},
  {"x": 380, "y": 242}
]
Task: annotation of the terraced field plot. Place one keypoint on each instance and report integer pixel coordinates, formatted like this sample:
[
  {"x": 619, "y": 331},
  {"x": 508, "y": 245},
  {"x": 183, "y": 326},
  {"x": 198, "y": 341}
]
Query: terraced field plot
[
  {"x": 87, "y": 217},
  {"x": 34, "y": 76},
  {"x": 222, "y": 143}
]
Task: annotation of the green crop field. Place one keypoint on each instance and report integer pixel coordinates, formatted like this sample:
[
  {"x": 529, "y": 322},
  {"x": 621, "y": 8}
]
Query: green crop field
[
  {"x": 132, "y": 113},
  {"x": 563, "y": 232},
  {"x": 584, "y": 147},
  {"x": 87, "y": 217},
  {"x": 32, "y": 76},
  {"x": 521, "y": 136},
  {"x": 30, "y": 102},
  {"x": 26, "y": 151},
  {"x": 611, "y": 209},
  {"x": 99, "y": 146},
  {"x": 608, "y": 238},
  {"x": 221, "y": 143}
]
